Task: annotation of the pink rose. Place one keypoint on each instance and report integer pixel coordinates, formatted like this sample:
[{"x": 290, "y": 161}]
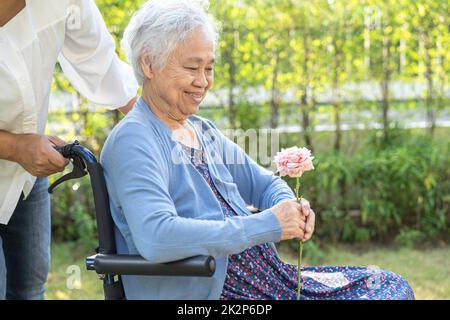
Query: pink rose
[{"x": 293, "y": 161}]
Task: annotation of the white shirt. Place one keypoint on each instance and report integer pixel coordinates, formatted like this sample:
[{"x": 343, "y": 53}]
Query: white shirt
[{"x": 72, "y": 32}]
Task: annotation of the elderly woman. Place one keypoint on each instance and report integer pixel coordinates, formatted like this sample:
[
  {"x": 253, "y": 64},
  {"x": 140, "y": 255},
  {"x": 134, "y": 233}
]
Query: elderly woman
[{"x": 179, "y": 188}]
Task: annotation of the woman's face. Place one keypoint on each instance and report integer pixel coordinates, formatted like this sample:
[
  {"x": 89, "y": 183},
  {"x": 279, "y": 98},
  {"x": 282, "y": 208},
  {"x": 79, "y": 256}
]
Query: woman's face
[{"x": 182, "y": 84}]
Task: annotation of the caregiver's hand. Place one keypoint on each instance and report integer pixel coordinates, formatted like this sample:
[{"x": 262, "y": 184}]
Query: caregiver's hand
[
  {"x": 291, "y": 219},
  {"x": 36, "y": 153}
]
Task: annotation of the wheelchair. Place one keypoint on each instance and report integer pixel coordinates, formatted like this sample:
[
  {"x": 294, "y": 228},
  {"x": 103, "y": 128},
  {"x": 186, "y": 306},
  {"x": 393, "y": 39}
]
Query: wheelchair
[{"x": 109, "y": 265}]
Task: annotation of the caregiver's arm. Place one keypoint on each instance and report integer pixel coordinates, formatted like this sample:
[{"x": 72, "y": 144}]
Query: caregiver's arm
[
  {"x": 89, "y": 60},
  {"x": 258, "y": 186},
  {"x": 137, "y": 172}
]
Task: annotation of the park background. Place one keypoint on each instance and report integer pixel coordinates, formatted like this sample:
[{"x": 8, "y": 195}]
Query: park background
[{"x": 363, "y": 83}]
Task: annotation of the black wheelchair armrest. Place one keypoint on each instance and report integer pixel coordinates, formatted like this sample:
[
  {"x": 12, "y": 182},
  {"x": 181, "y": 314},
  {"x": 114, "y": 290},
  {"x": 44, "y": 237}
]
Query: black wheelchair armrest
[{"x": 113, "y": 264}]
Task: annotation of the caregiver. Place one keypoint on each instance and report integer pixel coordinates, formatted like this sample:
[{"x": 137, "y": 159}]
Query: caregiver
[{"x": 34, "y": 35}]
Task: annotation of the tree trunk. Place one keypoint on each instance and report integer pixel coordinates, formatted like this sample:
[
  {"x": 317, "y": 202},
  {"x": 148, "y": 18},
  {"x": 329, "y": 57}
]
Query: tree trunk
[
  {"x": 232, "y": 112},
  {"x": 431, "y": 113},
  {"x": 386, "y": 56},
  {"x": 231, "y": 102},
  {"x": 275, "y": 96},
  {"x": 338, "y": 66},
  {"x": 306, "y": 122},
  {"x": 304, "y": 105},
  {"x": 385, "y": 107},
  {"x": 116, "y": 117},
  {"x": 336, "y": 94}
]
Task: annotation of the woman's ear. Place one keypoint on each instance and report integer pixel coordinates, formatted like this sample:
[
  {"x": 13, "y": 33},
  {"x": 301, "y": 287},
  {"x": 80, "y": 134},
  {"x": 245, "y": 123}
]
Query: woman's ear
[{"x": 146, "y": 67}]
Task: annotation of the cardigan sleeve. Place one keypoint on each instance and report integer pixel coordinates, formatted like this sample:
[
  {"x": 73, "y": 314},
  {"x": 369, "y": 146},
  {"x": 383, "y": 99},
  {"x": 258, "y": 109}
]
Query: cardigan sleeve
[{"x": 137, "y": 170}]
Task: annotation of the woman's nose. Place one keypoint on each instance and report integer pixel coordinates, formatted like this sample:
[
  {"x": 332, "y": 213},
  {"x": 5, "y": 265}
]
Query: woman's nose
[{"x": 201, "y": 80}]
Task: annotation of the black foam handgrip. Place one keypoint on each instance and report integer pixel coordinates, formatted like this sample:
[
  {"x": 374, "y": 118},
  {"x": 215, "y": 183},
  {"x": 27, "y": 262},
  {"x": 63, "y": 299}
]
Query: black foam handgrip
[{"x": 198, "y": 266}]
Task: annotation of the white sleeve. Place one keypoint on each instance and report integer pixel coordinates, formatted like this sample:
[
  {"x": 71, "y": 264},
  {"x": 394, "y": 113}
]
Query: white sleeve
[{"x": 89, "y": 60}]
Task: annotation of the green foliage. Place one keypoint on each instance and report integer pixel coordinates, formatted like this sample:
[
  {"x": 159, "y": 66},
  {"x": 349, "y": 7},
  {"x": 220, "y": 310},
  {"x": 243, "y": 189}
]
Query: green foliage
[
  {"x": 73, "y": 214},
  {"x": 410, "y": 238},
  {"x": 251, "y": 115},
  {"x": 313, "y": 251},
  {"x": 398, "y": 192}
]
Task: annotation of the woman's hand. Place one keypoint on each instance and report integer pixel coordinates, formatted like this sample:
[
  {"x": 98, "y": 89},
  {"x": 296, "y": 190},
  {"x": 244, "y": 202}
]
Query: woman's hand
[
  {"x": 291, "y": 219},
  {"x": 296, "y": 219},
  {"x": 310, "y": 219}
]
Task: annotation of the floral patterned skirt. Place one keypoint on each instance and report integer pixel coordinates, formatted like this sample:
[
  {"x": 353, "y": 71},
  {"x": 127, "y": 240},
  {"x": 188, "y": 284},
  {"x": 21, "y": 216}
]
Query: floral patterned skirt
[{"x": 258, "y": 274}]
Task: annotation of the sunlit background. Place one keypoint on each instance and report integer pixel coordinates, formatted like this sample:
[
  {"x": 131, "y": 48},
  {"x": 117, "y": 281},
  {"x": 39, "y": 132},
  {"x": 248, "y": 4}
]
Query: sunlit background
[{"x": 364, "y": 84}]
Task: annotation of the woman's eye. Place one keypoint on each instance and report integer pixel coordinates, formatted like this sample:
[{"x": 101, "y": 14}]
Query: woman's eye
[{"x": 196, "y": 69}]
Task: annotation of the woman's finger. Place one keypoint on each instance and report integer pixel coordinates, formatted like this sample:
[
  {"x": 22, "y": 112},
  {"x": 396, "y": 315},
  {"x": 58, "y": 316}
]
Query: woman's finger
[
  {"x": 305, "y": 207},
  {"x": 302, "y": 225},
  {"x": 302, "y": 216},
  {"x": 297, "y": 205},
  {"x": 310, "y": 224},
  {"x": 300, "y": 234}
]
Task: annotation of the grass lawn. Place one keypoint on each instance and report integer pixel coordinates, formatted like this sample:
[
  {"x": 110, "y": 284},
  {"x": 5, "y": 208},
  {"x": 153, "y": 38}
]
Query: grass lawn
[
  {"x": 428, "y": 271},
  {"x": 67, "y": 260}
]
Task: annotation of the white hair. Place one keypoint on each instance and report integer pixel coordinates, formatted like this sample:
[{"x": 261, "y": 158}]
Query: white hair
[{"x": 159, "y": 26}]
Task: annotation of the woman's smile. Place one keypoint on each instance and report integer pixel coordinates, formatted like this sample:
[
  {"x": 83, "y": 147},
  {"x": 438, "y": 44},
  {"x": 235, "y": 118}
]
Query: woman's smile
[{"x": 195, "y": 97}]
